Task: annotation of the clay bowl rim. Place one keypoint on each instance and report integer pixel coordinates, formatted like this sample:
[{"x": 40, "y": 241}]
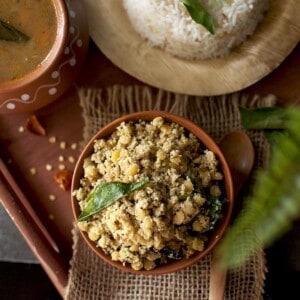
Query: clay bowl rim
[
  {"x": 207, "y": 141},
  {"x": 56, "y": 51}
]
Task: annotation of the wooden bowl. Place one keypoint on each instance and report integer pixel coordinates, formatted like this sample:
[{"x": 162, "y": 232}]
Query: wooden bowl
[
  {"x": 57, "y": 72},
  {"x": 275, "y": 37},
  {"x": 207, "y": 141}
]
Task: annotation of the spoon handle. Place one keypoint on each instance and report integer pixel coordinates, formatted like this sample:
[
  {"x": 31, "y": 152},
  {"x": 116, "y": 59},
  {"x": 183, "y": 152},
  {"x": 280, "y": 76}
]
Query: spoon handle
[
  {"x": 217, "y": 280},
  {"x": 239, "y": 153}
]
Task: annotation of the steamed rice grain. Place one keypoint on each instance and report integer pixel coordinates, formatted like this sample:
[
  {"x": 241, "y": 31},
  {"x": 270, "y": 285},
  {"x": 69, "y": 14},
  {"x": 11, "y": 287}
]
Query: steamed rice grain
[{"x": 166, "y": 24}]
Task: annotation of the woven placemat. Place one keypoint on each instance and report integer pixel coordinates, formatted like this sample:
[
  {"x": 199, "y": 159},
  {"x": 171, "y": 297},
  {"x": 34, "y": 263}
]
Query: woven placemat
[{"x": 89, "y": 276}]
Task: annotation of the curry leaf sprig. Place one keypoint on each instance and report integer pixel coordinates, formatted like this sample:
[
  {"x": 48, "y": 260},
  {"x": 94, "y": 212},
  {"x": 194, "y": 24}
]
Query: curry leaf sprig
[
  {"x": 10, "y": 33},
  {"x": 275, "y": 203},
  {"x": 105, "y": 194}
]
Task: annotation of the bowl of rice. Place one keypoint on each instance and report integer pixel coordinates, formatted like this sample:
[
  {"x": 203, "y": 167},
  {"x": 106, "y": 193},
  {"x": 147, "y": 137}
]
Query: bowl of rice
[
  {"x": 152, "y": 193},
  {"x": 158, "y": 42}
]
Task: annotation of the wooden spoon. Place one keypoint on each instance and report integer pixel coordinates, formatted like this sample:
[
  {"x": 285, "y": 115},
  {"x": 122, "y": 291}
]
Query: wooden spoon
[{"x": 239, "y": 153}]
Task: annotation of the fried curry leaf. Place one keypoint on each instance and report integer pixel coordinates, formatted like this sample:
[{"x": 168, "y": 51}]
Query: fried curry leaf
[
  {"x": 215, "y": 212},
  {"x": 10, "y": 33},
  {"x": 199, "y": 14},
  {"x": 105, "y": 194},
  {"x": 172, "y": 253},
  {"x": 214, "y": 206}
]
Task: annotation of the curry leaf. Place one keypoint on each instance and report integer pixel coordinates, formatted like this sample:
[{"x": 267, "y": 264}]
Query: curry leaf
[
  {"x": 215, "y": 212},
  {"x": 199, "y": 14},
  {"x": 274, "y": 136},
  {"x": 264, "y": 118},
  {"x": 172, "y": 253},
  {"x": 10, "y": 33},
  {"x": 273, "y": 120},
  {"x": 105, "y": 194}
]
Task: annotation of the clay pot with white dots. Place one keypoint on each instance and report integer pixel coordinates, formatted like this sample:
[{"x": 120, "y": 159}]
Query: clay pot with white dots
[{"x": 56, "y": 72}]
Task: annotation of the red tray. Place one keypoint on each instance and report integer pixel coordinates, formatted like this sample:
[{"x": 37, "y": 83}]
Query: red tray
[{"x": 46, "y": 225}]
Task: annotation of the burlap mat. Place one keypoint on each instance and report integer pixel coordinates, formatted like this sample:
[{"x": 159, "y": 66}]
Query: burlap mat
[{"x": 91, "y": 278}]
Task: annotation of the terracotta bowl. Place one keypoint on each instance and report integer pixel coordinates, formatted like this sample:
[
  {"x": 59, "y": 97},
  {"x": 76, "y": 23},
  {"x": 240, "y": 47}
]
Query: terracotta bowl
[
  {"x": 208, "y": 142},
  {"x": 57, "y": 72}
]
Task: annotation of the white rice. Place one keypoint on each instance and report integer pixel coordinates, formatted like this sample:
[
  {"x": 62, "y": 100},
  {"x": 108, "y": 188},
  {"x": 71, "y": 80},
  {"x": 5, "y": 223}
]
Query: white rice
[{"x": 166, "y": 24}]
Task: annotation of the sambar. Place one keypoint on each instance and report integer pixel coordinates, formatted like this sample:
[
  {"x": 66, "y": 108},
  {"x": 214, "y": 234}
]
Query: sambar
[{"x": 35, "y": 18}]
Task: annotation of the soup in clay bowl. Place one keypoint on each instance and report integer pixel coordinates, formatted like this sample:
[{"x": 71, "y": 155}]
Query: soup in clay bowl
[
  {"x": 43, "y": 45},
  {"x": 174, "y": 193}
]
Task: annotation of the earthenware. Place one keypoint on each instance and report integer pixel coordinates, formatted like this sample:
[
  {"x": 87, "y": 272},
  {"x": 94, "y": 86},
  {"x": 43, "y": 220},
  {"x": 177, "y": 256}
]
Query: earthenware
[
  {"x": 56, "y": 74},
  {"x": 208, "y": 142}
]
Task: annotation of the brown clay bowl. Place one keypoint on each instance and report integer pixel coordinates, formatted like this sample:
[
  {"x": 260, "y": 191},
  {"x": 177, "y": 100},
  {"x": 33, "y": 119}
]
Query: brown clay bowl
[
  {"x": 57, "y": 72},
  {"x": 208, "y": 142}
]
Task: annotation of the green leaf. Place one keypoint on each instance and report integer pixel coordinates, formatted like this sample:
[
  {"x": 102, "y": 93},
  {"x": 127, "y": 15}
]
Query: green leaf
[
  {"x": 274, "y": 136},
  {"x": 105, "y": 194},
  {"x": 264, "y": 118},
  {"x": 274, "y": 204},
  {"x": 10, "y": 33},
  {"x": 199, "y": 14}
]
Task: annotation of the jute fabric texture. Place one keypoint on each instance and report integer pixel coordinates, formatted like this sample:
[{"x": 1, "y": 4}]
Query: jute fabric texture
[{"x": 90, "y": 278}]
